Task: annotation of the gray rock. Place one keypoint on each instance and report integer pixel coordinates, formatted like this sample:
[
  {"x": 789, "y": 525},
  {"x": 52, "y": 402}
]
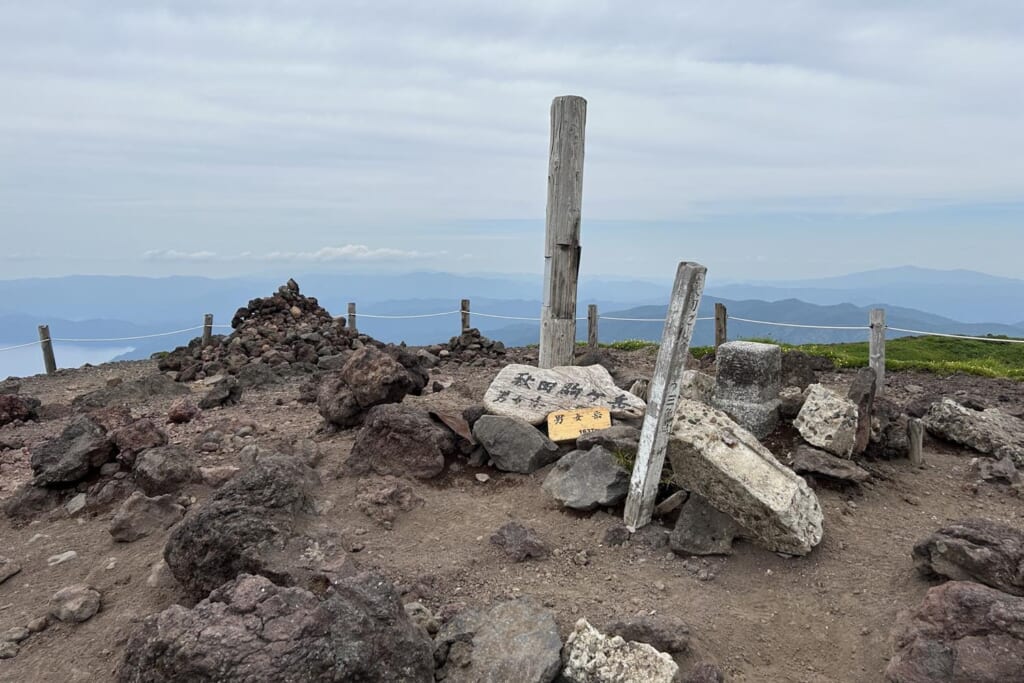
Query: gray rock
[
  {"x": 713, "y": 456},
  {"x": 513, "y": 444},
  {"x": 39, "y": 624},
  {"x": 75, "y": 604},
  {"x": 810, "y": 460},
  {"x": 663, "y": 633},
  {"x": 217, "y": 475},
  {"x": 18, "y": 408},
  {"x": 61, "y": 558},
  {"x": 252, "y": 630},
  {"x": 828, "y": 421},
  {"x": 420, "y": 615},
  {"x": 513, "y": 641},
  {"x": 17, "y": 634},
  {"x": 183, "y": 410},
  {"x": 962, "y": 632},
  {"x": 979, "y": 550},
  {"x": 8, "y": 650},
  {"x": 529, "y": 393},
  {"x": 799, "y": 369},
  {"x": 81, "y": 447},
  {"x": 996, "y": 470},
  {"x": 791, "y": 400},
  {"x": 585, "y": 480},
  {"x": 862, "y": 394},
  {"x": 697, "y": 386},
  {"x": 760, "y": 419},
  {"x": 385, "y": 499},
  {"x": 28, "y": 502},
  {"x": 747, "y": 385},
  {"x": 8, "y": 568},
  {"x": 224, "y": 392},
  {"x": 157, "y": 385},
  {"x": 163, "y": 470},
  {"x": 75, "y": 505},
  {"x": 704, "y": 672},
  {"x": 889, "y": 438},
  {"x": 618, "y": 438},
  {"x": 136, "y": 437},
  {"x": 256, "y": 375},
  {"x": 591, "y": 657},
  {"x": 703, "y": 530},
  {"x": 991, "y": 431},
  {"x": 140, "y": 516},
  {"x": 370, "y": 377},
  {"x": 519, "y": 542},
  {"x": 401, "y": 440}
]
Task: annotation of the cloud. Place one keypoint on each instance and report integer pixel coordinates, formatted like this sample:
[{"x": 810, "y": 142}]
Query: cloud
[{"x": 348, "y": 252}]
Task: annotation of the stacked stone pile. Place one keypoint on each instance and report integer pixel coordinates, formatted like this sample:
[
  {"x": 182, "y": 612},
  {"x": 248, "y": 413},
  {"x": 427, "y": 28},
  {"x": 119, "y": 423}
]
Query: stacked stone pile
[
  {"x": 470, "y": 347},
  {"x": 285, "y": 329}
]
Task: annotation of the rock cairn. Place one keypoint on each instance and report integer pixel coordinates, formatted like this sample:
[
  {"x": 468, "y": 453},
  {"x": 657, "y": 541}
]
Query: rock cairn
[{"x": 470, "y": 347}]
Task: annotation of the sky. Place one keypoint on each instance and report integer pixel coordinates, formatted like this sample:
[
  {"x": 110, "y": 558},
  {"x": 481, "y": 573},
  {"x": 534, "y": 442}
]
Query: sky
[{"x": 765, "y": 140}]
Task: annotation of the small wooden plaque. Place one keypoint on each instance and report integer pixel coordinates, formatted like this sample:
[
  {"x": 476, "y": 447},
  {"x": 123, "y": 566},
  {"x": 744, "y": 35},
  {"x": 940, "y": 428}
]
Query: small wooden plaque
[{"x": 567, "y": 425}]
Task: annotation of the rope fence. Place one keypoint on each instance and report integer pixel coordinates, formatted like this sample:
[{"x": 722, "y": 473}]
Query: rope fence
[{"x": 877, "y": 328}]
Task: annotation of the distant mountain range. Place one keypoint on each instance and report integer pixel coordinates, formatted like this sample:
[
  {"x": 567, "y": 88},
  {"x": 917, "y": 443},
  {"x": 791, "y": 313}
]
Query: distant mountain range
[{"x": 107, "y": 307}]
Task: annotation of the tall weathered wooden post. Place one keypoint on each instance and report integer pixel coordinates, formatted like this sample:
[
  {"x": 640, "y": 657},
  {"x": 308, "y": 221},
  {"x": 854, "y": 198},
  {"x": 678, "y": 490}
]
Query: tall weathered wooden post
[
  {"x": 663, "y": 393},
  {"x": 876, "y": 348},
  {"x": 562, "y": 231},
  {"x": 49, "y": 362}
]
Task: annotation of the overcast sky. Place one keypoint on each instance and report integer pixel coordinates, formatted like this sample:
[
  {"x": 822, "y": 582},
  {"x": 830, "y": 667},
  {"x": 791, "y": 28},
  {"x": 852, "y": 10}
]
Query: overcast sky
[{"x": 765, "y": 140}]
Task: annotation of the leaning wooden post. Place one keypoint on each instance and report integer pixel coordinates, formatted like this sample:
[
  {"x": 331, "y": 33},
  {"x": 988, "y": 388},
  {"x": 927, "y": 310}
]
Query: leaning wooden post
[
  {"x": 876, "y": 350},
  {"x": 663, "y": 393},
  {"x": 721, "y": 325},
  {"x": 207, "y": 329},
  {"x": 44, "y": 341},
  {"x": 915, "y": 435},
  {"x": 592, "y": 326},
  {"x": 562, "y": 231},
  {"x": 464, "y": 309},
  {"x": 352, "y": 316}
]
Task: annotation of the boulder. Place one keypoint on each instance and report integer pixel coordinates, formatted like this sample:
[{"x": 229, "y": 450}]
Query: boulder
[
  {"x": 622, "y": 439},
  {"x": 252, "y": 630},
  {"x": 592, "y": 657},
  {"x": 828, "y": 421},
  {"x": 585, "y": 480},
  {"x": 164, "y": 469},
  {"x": 75, "y": 604},
  {"x": 370, "y": 377},
  {"x": 513, "y": 641},
  {"x": 662, "y": 632},
  {"x": 991, "y": 431},
  {"x": 1003, "y": 471},
  {"x": 140, "y": 516},
  {"x": 702, "y": 530},
  {"x": 862, "y": 394},
  {"x": 15, "y": 407},
  {"x": 713, "y": 456},
  {"x": 514, "y": 444},
  {"x": 962, "y": 633},
  {"x": 519, "y": 542},
  {"x": 225, "y": 391},
  {"x": 979, "y": 550},
  {"x": 810, "y": 460},
  {"x": 68, "y": 458},
  {"x": 383, "y": 500},
  {"x": 400, "y": 440},
  {"x": 136, "y": 437},
  {"x": 183, "y": 410},
  {"x": 244, "y": 527},
  {"x": 529, "y": 393},
  {"x": 157, "y": 385}
]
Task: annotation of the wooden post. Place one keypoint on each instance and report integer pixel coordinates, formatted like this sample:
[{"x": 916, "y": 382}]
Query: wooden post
[
  {"x": 464, "y": 308},
  {"x": 721, "y": 325},
  {"x": 592, "y": 327},
  {"x": 663, "y": 393},
  {"x": 876, "y": 350},
  {"x": 44, "y": 341},
  {"x": 915, "y": 435},
  {"x": 352, "y": 316},
  {"x": 207, "y": 329},
  {"x": 562, "y": 231}
]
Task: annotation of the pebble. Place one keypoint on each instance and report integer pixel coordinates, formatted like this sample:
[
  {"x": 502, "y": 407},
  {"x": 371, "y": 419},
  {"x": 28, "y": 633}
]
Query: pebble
[
  {"x": 483, "y": 478},
  {"x": 8, "y": 650},
  {"x": 75, "y": 505},
  {"x": 38, "y": 625},
  {"x": 62, "y": 558},
  {"x": 15, "y": 635}
]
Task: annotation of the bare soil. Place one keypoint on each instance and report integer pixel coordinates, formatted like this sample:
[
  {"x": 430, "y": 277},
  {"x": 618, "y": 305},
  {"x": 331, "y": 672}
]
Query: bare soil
[{"x": 759, "y": 616}]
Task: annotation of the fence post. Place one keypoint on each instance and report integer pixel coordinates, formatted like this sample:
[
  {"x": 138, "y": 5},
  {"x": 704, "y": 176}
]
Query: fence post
[
  {"x": 44, "y": 341},
  {"x": 352, "y": 316},
  {"x": 876, "y": 350},
  {"x": 562, "y": 231},
  {"x": 721, "y": 325},
  {"x": 464, "y": 308},
  {"x": 592, "y": 326},
  {"x": 207, "y": 329},
  {"x": 663, "y": 393}
]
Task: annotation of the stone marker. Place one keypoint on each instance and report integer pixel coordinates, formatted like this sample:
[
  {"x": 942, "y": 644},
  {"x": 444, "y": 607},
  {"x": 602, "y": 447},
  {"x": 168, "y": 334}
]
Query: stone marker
[
  {"x": 828, "y": 421},
  {"x": 747, "y": 385},
  {"x": 713, "y": 456},
  {"x": 531, "y": 393},
  {"x": 568, "y": 425}
]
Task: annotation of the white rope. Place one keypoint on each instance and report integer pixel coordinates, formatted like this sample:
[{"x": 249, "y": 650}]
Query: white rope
[
  {"x": 956, "y": 336},
  {"x": 20, "y": 346},
  {"x": 141, "y": 336},
  {"x": 641, "y": 320},
  {"x": 508, "y": 317},
  {"x": 407, "y": 317},
  {"x": 811, "y": 327}
]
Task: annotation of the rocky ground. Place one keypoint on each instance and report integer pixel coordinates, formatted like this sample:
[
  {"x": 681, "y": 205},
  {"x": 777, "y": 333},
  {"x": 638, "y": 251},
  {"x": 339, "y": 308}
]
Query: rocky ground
[{"x": 833, "y": 615}]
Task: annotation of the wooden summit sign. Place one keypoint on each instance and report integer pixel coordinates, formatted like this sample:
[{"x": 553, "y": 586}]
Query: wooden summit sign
[{"x": 568, "y": 425}]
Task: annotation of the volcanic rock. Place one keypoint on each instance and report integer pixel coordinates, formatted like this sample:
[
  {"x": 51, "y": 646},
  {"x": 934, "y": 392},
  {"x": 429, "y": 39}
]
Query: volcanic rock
[
  {"x": 140, "y": 516},
  {"x": 163, "y": 470},
  {"x": 15, "y": 407},
  {"x": 400, "y": 440},
  {"x": 979, "y": 550},
  {"x": 585, "y": 480},
  {"x": 82, "y": 446},
  {"x": 513, "y": 444},
  {"x": 991, "y": 431}
]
